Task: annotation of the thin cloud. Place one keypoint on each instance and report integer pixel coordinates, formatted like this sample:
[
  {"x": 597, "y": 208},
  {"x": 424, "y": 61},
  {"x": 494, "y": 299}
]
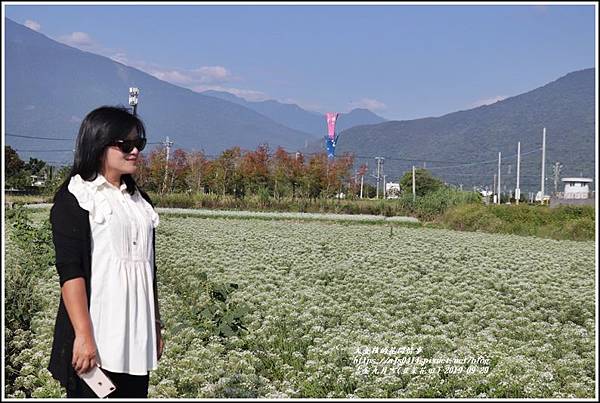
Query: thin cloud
[
  {"x": 84, "y": 41},
  {"x": 78, "y": 39},
  {"x": 33, "y": 25},
  {"x": 209, "y": 74},
  {"x": 201, "y": 79},
  {"x": 487, "y": 101},
  {"x": 367, "y": 103},
  {"x": 172, "y": 76},
  {"x": 119, "y": 57},
  {"x": 192, "y": 79},
  {"x": 248, "y": 95}
]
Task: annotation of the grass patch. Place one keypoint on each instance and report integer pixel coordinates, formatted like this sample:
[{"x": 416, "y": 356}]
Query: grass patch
[{"x": 575, "y": 223}]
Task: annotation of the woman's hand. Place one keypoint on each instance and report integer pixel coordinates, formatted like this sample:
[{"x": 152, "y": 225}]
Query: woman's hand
[
  {"x": 84, "y": 346},
  {"x": 160, "y": 344},
  {"x": 84, "y": 353}
]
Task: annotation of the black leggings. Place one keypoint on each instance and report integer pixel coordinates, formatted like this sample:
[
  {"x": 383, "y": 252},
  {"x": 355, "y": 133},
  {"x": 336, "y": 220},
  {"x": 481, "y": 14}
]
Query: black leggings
[{"x": 127, "y": 386}]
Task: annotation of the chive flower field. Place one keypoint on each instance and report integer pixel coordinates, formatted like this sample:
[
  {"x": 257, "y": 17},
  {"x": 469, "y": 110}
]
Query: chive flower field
[{"x": 289, "y": 308}]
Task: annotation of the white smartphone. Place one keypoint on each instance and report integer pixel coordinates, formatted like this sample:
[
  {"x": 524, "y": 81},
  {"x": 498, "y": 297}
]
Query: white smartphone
[{"x": 98, "y": 382}]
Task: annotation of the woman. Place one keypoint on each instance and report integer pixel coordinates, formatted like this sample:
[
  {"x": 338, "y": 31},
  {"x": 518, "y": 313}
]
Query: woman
[{"x": 103, "y": 233}]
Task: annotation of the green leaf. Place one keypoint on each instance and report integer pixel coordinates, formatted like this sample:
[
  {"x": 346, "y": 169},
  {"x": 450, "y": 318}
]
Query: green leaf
[{"x": 226, "y": 330}]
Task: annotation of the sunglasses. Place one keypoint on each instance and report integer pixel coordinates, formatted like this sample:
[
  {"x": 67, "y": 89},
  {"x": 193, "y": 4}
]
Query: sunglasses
[{"x": 126, "y": 146}]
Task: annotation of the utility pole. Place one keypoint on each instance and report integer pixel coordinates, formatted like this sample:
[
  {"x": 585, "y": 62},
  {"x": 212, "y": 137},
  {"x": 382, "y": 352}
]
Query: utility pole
[
  {"x": 494, "y": 191},
  {"x": 362, "y": 177},
  {"x": 168, "y": 145},
  {"x": 379, "y": 162},
  {"x": 383, "y": 190},
  {"x": 543, "y": 165},
  {"x": 557, "y": 167},
  {"x": 414, "y": 185},
  {"x": 499, "y": 163},
  {"x": 518, "y": 189}
]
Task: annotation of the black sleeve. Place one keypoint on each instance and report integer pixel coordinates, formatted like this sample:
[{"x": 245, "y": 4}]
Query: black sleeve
[
  {"x": 69, "y": 241},
  {"x": 155, "y": 282}
]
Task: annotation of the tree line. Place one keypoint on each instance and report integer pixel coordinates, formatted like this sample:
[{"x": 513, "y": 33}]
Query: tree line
[
  {"x": 234, "y": 172},
  {"x": 241, "y": 173}
]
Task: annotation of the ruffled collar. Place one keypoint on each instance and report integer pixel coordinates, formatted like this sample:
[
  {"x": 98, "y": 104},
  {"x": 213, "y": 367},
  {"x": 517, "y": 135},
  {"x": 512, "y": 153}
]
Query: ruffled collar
[
  {"x": 88, "y": 197},
  {"x": 93, "y": 200}
]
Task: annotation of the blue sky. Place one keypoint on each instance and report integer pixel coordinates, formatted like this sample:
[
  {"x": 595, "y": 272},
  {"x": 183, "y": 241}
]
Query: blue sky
[{"x": 401, "y": 61}]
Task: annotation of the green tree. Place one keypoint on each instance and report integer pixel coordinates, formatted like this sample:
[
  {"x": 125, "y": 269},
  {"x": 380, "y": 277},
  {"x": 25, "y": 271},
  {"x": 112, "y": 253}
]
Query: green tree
[
  {"x": 58, "y": 176},
  {"x": 281, "y": 173},
  {"x": 12, "y": 162},
  {"x": 197, "y": 172},
  {"x": 224, "y": 173},
  {"x": 425, "y": 182},
  {"x": 16, "y": 174},
  {"x": 35, "y": 166}
]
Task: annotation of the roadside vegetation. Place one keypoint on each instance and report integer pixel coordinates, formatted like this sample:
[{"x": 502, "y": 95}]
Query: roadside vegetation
[{"x": 261, "y": 181}]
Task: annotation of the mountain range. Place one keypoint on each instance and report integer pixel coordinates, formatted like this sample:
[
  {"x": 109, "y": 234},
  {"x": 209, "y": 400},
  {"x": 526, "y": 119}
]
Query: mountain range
[
  {"x": 463, "y": 147},
  {"x": 291, "y": 115},
  {"x": 49, "y": 87}
]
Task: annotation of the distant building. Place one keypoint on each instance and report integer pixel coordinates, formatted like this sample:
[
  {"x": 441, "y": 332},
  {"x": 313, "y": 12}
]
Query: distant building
[
  {"x": 576, "y": 188},
  {"x": 392, "y": 190},
  {"x": 37, "y": 181},
  {"x": 576, "y": 192},
  {"x": 546, "y": 199},
  {"x": 486, "y": 196}
]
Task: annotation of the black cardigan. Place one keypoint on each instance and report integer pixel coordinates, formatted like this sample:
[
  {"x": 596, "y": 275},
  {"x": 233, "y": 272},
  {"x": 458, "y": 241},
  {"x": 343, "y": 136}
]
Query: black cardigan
[{"x": 71, "y": 233}]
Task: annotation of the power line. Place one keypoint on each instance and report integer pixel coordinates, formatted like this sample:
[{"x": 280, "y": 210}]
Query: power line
[
  {"x": 51, "y": 138},
  {"x": 43, "y": 151},
  {"x": 356, "y": 157},
  {"x": 484, "y": 162},
  {"x": 37, "y": 138},
  {"x": 407, "y": 160}
]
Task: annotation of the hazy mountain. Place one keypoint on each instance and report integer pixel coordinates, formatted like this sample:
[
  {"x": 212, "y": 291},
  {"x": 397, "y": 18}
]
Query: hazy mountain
[
  {"x": 50, "y": 87},
  {"x": 291, "y": 115},
  {"x": 565, "y": 107}
]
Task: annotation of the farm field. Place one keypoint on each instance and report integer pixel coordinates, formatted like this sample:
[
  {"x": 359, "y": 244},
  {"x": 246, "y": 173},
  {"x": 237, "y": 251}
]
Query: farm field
[{"x": 343, "y": 309}]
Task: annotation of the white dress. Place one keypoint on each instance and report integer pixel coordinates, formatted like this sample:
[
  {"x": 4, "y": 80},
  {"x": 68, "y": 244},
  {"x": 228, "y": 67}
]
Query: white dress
[{"x": 122, "y": 296}]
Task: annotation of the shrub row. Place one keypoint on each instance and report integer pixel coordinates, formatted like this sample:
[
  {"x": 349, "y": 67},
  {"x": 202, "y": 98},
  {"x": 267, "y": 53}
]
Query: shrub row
[
  {"x": 564, "y": 222},
  {"x": 426, "y": 207},
  {"x": 28, "y": 272}
]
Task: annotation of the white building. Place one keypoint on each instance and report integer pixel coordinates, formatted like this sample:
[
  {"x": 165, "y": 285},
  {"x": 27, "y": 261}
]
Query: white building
[
  {"x": 37, "y": 181},
  {"x": 576, "y": 188},
  {"x": 538, "y": 197},
  {"x": 392, "y": 190}
]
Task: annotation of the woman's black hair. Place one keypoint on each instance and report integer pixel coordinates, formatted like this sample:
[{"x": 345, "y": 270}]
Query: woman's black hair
[{"x": 100, "y": 128}]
